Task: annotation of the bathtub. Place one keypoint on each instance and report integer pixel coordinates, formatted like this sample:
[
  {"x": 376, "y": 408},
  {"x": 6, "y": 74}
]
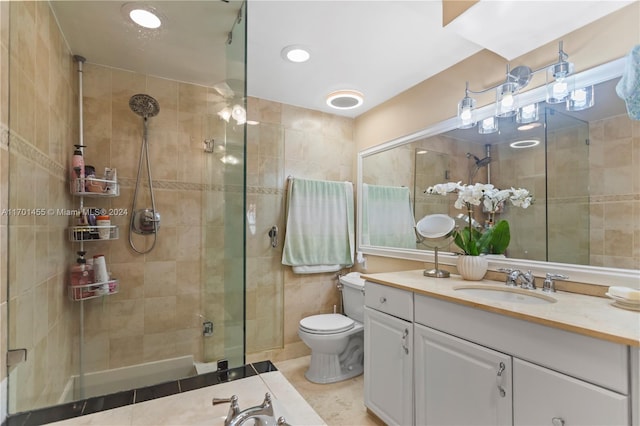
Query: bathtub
[{"x": 105, "y": 382}]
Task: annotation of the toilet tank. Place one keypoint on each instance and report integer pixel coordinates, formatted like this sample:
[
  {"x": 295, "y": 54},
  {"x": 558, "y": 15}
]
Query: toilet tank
[{"x": 353, "y": 296}]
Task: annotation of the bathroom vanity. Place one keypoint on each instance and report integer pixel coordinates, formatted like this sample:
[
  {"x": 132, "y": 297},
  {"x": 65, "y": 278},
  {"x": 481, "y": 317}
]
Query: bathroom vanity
[{"x": 436, "y": 354}]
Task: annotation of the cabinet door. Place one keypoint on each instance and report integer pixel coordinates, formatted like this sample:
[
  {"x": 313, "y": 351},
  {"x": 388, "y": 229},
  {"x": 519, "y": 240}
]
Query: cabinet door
[
  {"x": 388, "y": 360},
  {"x": 459, "y": 382},
  {"x": 545, "y": 397}
]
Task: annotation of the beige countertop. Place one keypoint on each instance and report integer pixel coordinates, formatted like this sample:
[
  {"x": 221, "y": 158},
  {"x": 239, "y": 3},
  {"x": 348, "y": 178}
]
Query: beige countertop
[{"x": 588, "y": 315}]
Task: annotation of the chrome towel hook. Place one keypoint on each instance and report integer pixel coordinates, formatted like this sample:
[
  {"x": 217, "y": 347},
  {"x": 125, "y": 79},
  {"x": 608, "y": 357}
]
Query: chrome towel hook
[{"x": 273, "y": 234}]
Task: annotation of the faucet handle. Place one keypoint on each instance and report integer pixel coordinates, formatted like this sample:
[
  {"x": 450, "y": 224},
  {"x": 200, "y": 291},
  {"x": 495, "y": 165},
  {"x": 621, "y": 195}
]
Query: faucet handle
[
  {"x": 512, "y": 276},
  {"x": 529, "y": 281},
  {"x": 234, "y": 408},
  {"x": 216, "y": 401},
  {"x": 549, "y": 285}
]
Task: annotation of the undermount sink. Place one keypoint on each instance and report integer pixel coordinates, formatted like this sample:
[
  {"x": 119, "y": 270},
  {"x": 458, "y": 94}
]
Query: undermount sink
[{"x": 505, "y": 294}]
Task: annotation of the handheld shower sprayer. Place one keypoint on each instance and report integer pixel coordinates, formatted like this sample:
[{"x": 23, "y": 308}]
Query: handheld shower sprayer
[{"x": 144, "y": 221}]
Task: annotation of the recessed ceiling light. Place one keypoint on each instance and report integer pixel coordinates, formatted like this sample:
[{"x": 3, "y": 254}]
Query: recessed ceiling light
[
  {"x": 345, "y": 99},
  {"x": 142, "y": 15},
  {"x": 528, "y": 143},
  {"x": 296, "y": 53},
  {"x": 529, "y": 126}
]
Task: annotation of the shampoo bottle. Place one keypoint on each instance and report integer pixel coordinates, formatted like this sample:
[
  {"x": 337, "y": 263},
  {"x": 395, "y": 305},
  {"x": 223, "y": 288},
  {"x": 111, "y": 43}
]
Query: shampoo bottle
[
  {"x": 81, "y": 276},
  {"x": 77, "y": 169}
]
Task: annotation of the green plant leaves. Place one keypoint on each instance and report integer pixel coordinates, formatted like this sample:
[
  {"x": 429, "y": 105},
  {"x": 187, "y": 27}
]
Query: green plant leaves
[{"x": 493, "y": 240}]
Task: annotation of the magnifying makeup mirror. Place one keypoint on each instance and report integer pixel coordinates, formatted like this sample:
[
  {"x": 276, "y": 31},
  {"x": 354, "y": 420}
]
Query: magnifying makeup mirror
[{"x": 435, "y": 231}]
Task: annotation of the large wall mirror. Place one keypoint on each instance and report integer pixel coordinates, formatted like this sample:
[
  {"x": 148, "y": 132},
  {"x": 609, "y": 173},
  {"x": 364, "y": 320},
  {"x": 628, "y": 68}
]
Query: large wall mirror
[{"x": 579, "y": 165}]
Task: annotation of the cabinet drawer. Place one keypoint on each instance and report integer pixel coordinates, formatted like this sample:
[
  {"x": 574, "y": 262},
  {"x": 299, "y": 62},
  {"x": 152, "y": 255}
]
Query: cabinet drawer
[
  {"x": 596, "y": 361},
  {"x": 390, "y": 300},
  {"x": 545, "y": 397}
]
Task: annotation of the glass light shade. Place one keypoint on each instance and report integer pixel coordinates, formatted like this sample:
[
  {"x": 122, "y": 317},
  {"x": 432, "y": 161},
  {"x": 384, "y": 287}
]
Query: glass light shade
[
  {"x": 225, "y": 114},
  {"x": 488, "y": 125},
  {"x": 559, "y": 82},
  {"x": 581, "y": 99},
  {"x": 506, "y": 101},
  {"x": 239, "y": 114},
  {"x": 527, "y": 114},
  {"x": 466, "y": 113}
]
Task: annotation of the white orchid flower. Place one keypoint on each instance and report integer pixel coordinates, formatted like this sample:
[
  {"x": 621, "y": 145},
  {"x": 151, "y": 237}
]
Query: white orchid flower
[{"x": 443, "y": 188}]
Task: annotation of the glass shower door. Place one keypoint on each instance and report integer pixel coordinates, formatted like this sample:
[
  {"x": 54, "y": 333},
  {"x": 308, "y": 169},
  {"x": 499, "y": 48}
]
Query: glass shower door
[
  {"x": 223, "y": 274},
  {"x": 568, "y": 208}
]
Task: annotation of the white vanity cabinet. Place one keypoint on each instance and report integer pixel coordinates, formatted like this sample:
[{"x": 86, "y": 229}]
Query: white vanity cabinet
[
  {"x": 543, "y": 396},
  {"x": 458, "y": 382},
  {"x": 388, "y": 360},
  {"x": 553, "y": 377}
]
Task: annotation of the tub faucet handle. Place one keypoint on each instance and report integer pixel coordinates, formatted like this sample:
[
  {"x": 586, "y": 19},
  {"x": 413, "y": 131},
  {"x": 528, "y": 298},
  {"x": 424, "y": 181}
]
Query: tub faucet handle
[{"x": 234, "y": 408}]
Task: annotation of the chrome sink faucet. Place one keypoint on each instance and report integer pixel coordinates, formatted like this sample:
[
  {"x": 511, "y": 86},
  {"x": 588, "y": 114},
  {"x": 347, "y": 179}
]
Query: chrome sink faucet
[
  {"x": 235, "y": 417},
  {"x": 526, "y": 280}
]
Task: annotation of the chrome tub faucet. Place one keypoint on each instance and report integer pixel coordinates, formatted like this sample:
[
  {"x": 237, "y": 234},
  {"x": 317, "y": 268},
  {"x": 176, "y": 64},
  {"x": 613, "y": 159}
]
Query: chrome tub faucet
[{"x": 262, "y": 414}]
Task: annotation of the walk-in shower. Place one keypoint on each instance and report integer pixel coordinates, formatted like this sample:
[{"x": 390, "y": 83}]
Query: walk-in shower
[
  {"x": 195, "y": 273},
  {"x": 144, "y": 221}
]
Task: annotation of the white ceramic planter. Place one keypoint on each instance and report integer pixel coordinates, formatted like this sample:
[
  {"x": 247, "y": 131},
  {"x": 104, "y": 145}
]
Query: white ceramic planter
[{"x": 472, "y": 268}]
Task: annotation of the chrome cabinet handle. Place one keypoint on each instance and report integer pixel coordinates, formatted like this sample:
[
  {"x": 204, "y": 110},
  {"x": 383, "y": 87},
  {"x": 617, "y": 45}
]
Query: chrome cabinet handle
[
  {"x": 500, "y": 378},
  {"x": 383, "y": 299},
  {"x": 557, "y": 421},
  {"x": 405, "y": 334}
]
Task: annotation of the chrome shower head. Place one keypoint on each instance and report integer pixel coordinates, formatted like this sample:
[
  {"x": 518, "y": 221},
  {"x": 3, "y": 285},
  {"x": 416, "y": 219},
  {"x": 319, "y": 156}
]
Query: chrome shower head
[
  {"x": 483, "y": 161},
  {"x": 480, "y": 162},
  {"x": 144, "y": 105}
]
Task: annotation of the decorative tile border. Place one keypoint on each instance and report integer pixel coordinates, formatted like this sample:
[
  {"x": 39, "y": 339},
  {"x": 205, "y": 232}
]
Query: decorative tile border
[
  {"x": 259, "y": 190},
  {"x": 19, "y": 145},
  {"x": 16, "y": 143}
]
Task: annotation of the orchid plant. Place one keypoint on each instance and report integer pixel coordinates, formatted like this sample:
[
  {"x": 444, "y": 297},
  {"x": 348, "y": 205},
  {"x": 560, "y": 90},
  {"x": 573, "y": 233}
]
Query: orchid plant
[{"x": 495, "y": 238}]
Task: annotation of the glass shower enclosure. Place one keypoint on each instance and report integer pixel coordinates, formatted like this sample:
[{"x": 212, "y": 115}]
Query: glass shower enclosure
[{"x": 179, "y": 308}]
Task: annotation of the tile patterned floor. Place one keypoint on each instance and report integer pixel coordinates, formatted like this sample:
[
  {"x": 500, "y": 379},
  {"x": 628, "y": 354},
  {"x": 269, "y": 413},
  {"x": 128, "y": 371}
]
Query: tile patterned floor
[{"x": 339, "y": 404}]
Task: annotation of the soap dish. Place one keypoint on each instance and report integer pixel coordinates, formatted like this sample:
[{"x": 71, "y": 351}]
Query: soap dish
[{"x": 623, "y": 303}]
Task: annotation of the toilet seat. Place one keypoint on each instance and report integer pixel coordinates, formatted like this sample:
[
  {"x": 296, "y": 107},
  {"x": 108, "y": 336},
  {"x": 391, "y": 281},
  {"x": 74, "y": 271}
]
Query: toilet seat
[{"x": 326, "y": 324}]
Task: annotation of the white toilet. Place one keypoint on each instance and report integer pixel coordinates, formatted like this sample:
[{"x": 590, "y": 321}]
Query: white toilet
[{"x": 337, "y": 341}]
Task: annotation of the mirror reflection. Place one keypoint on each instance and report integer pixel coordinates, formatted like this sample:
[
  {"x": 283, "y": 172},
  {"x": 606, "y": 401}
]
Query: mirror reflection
[{"x": 577, "y": 165}]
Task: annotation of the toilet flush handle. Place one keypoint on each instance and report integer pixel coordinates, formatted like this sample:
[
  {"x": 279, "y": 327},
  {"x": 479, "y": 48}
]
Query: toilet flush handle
[{"x": 383, "y": 299}]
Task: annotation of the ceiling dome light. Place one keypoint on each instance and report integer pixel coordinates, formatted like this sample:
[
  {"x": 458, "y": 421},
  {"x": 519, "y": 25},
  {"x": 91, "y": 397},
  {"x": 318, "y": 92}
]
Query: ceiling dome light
[
  {"x": 529, "y": 126},
  {"x": 142, "y": 15},
  {"x": 345, "y": 99},
  {"x": 527, "y": 143},
  {"x": 295, "y": 53}
]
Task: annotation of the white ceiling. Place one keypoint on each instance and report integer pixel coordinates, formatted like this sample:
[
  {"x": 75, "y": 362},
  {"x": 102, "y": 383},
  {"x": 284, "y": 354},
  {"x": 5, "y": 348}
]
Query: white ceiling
[{"x": 379, "y": 48}]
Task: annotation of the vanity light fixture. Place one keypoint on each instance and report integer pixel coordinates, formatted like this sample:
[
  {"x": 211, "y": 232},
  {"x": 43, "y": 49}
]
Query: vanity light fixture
[
  {"x": 559, "y": 79},
  {"x": 142, "y": 15},
  {"x": 345, "y": 99},
  {"x": 528, "y": 143},
  {"x": 527, "y": 114},
  {"x": 580, "y": 99},
  {"x": 559, "y": 86},
  {"x": 506, "y": 99},
  {"x": 295, "y": 53},
  {"x": 466, "y": 111},
  {"x": 488, "y": 125}
]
